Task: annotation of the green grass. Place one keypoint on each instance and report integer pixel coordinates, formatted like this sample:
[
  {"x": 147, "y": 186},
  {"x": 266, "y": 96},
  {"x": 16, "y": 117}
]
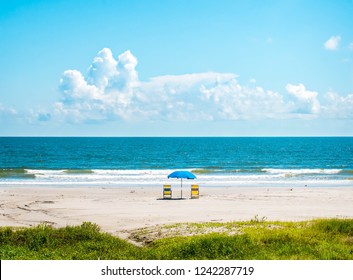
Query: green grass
[{"x": 257, "y": 239}]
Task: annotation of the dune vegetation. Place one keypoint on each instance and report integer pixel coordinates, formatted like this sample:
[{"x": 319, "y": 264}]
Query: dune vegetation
[{"x": 258, "y": 239}]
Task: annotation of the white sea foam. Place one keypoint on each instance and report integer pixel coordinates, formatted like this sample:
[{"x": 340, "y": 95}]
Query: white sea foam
[
  {"x": 302, "y": 171},
  {"x": 159, "y": 177}
]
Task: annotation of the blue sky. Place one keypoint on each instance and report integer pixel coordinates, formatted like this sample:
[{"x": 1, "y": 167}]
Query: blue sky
[{"x": 165, "y": 68}]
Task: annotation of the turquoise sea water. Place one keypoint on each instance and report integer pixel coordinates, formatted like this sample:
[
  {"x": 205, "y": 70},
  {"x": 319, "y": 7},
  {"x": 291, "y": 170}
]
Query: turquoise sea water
[{"x": 148, "y": 161}]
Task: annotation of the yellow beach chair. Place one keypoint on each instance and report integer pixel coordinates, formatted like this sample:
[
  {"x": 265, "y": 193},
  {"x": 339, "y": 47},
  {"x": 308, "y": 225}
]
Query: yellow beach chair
[
  {"x": 195, "y": 191},
  {"x": 167, "y": 191}
]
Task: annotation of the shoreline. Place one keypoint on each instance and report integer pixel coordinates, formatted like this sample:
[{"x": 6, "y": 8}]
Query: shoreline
[
  {"x": 347, "y": 183},
  {"x": 120, "y": 209}
]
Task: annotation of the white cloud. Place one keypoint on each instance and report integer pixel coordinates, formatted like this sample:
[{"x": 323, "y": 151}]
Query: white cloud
[
  {"x": 306, "y": 101},
  {"x": 104, "y": 94},
  {"x": 75, "y": 88},
  {"x": 127, "y": 76},
  {"x": 332, "y": 43},
  {"x": 231, "y": 101},
  {"x": 7, "y": 112},
  {"x": 103, "y": 69},
  {"x": 338, "y": 106},
  {"x": 208, "y": 96}
]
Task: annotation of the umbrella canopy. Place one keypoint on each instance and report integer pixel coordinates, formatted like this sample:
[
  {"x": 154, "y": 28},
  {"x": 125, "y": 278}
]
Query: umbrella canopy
[{"x": 181, "y": 175}]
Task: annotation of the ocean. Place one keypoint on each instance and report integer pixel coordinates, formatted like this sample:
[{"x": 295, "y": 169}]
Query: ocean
[{"x": 147, "y": 161}]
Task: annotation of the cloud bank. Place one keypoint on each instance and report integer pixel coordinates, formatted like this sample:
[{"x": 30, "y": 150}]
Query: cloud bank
[{"x": 111, "y": 90}]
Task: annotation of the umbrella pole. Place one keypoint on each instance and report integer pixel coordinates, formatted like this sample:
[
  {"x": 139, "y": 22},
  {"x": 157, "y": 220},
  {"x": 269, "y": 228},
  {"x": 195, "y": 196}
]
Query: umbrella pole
[{"x": 181, "y": 187}]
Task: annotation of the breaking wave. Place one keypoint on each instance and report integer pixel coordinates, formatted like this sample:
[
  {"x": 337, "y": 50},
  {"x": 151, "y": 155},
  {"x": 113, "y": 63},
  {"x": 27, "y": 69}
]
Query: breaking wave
[{"x": 154, "y": 177}]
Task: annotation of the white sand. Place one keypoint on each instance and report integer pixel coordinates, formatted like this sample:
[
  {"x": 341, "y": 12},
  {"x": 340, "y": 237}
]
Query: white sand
[{"x": 118, "y": 209}]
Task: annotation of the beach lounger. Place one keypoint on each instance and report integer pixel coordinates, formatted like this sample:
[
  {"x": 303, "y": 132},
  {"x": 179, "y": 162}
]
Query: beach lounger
[
  {"x": 195, "y": 191},
  {"x": 167, "y": 191}
]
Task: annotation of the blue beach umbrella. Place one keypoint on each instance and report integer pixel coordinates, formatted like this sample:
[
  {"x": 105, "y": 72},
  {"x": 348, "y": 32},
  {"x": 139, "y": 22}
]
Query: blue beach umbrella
[{"x": 181, "y": 175}]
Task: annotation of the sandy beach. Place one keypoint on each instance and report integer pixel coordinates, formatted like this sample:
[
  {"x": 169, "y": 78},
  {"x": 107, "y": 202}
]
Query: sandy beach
[{"x": 118, "y": 210}]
